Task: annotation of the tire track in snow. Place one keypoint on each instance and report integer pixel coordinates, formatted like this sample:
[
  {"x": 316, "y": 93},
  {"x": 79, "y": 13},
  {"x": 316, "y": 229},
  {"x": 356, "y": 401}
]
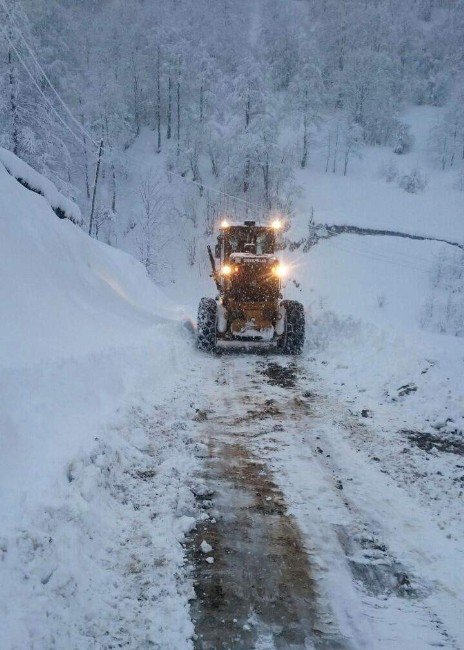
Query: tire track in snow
[
  {"x": 253, "y": 581},
  {"x": 387, "y": 604}
]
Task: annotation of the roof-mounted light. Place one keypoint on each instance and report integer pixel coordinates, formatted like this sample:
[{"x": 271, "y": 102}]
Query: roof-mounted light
[
  {"x": 224, "y": 224},
  {"x": 277, "y": 224}
]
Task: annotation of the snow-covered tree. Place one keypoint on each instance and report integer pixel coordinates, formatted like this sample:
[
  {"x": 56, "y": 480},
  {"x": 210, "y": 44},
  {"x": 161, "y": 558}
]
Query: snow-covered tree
[
  {"x": 447, "y": 136},
  {"x": 28, "y": 125},
  {"x": 307, "y": 97}
]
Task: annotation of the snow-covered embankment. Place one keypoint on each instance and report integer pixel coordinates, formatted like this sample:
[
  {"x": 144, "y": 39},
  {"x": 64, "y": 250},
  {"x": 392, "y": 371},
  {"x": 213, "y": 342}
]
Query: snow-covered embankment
[{"x": 92, "y": 470}]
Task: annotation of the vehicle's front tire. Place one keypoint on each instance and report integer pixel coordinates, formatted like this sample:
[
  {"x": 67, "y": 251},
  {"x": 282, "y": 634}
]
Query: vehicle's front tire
[
  {"x": 294, "y": 335},
  {"x": 206, "y": 325}
]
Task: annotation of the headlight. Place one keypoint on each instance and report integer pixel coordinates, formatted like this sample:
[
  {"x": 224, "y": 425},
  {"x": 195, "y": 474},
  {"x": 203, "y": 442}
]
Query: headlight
[
  {"x": 280, "y": 270},
  {"x": 226, "y": 270}
]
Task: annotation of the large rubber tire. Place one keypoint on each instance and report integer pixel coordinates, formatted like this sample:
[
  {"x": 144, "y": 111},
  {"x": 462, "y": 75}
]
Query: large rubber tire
[
  {"x": 294, "y": 336},
  {"x": 206, "y": 325}
]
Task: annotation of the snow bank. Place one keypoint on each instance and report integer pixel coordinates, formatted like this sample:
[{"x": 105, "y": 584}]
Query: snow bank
[
  {"x": 94, "y": 474},
  {"x": 63, "y": 206},
  {"x": 79, "y": 323},
  {"x": 102, "y": 563},
  {"x": 365, "y": 298},
  {"x": 65, "y": 294}
]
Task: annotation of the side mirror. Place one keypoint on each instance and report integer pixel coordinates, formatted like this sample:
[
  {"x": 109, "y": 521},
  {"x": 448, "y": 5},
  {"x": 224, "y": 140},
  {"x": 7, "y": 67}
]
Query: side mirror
[{"x": 217, "y": 250}]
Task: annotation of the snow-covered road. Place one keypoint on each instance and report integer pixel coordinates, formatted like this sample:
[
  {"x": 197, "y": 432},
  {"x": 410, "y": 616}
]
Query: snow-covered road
[
  {"x": 244, "y": 506},
  {"x": 253, "y": 581},
  {"x": 314, "y": 543}
]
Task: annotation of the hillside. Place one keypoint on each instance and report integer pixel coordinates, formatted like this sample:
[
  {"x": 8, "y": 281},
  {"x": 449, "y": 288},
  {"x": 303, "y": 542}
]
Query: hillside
[{"x": 86, "y": 338}]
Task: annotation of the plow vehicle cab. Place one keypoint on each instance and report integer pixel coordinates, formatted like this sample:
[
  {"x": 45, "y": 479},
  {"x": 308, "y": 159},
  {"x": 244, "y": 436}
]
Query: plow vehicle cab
[{"x": 249, "y": 307}]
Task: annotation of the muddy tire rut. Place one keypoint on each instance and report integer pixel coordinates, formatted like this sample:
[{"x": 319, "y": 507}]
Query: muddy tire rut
[{"x": 252, "y": 576}]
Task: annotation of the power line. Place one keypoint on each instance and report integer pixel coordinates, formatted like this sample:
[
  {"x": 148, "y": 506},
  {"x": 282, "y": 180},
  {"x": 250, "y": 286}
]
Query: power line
[
  {"x": 23, "y": 63},
  {"x": 213, "y": 189},
  {"x": 79, "y": 125},
  {"x": 44, "y": 74}
]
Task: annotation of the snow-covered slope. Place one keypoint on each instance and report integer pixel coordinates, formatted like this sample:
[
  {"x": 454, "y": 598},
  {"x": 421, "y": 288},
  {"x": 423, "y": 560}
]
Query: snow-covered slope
[
  {"x": 66, "y": 302},
  {"x": 101, "y": 384},
  {"x": 381, "y": 308},
  {"x": 88, "y": 345},
  {"x": 38, "y": 183},
  {"x": 365, "y": 197}
]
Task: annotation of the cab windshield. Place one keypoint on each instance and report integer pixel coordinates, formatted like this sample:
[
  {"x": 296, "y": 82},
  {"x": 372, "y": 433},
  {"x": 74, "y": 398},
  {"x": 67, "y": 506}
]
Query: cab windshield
[{"x": 246, "y": 240}]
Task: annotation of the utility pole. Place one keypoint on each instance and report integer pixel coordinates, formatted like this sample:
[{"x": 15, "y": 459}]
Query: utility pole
[{"x": 94, "y": 194}]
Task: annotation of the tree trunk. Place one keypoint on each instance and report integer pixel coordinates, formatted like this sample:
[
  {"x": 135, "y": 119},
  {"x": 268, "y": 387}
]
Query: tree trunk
[
  {"x": 86, "y": 168},
  {"x": 178, "y": 116},
  {"x": 86, "y": 160},
  {"x": 444, "y": 154},
  {"x": 329, "y": 146},
  {"x": 346, "y": 160},
  {"x": 158, "y": 99},
  {"x": 113, "y": 198},
  {"x": 453, "y": 150},
  {"x": 214, "y": 166},
  {"x": 13, "y": 105},
  {"x": 267, "y": 195},
  {"x": 304, "y": 157},
  {"x": 169, "y": 115},
  {"x": 334, "y": 167},
  {"x": 246, "y": 177},
  {"x": 201, "y": 104},
  {"x": 135, "y": 89}
]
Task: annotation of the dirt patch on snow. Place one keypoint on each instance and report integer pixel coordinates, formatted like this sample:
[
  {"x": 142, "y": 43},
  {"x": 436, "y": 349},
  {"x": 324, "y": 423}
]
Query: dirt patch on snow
[
  {"x": 267, "y": 410},
  {"x": 429, "y": 442},
  {"x": 279, "y": 375}
]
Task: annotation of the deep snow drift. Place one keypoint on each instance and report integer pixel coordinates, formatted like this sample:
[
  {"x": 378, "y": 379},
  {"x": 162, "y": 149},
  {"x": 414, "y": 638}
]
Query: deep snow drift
[
  {"x": 87, "y": 346},
  {"x": 68, "y": 303}
]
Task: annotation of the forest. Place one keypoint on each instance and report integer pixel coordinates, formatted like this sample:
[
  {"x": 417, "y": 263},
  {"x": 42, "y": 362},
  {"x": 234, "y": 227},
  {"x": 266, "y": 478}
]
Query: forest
[{"x": 237, "y": 94}]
